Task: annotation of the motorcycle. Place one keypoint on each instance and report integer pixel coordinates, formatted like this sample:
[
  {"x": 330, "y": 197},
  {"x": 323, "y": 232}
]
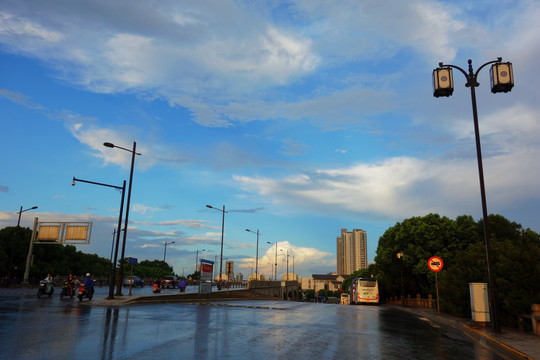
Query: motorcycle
[
  {"x": 85, "y": 293},
  {"x": 157, "y": 289},
  {"x": 45, "y": 288},
  {"x": 67, "y": 290}
]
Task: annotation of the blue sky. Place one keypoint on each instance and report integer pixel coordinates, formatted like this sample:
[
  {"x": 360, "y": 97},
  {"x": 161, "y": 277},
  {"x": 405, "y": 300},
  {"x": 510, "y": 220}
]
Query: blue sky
[{"x": 301, "y": 117}]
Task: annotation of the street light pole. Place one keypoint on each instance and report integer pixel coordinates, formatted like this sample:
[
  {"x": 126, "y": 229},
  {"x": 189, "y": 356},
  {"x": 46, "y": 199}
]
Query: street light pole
[
  {"x": 273, "y": 271},
  {"x": 165, "y": 251},
  {"x": 197, "y": 259},
  {"x": 21, "y": 211},
  {"x": 287, "y": 279},
  {"x": 257, "y": 254},
  {"x": 133, "y": 153},
  {"x": 13, "y": 245},
  {"x": 400, "y": 257},
  {"x": 113, "y": 265},
  {"x": 502, "y": 80},
  {"x": 222, "y": 233}
]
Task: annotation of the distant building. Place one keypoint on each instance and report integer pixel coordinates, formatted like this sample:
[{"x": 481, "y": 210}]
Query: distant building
[
  {"x": 330, "y": 282},
  {"x": 351, "y": 249},
  {"x": 291, "y": 277}
]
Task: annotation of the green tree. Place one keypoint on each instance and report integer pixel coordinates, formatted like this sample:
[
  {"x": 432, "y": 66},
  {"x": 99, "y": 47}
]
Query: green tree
[{"x": 418, "y": 239}]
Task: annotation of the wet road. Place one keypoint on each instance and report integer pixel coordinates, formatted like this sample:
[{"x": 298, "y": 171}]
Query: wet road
[{"x": 44, "y": 328}]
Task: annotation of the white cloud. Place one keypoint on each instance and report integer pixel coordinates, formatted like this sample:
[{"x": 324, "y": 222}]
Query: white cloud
[{"x": 299, "y": 257}]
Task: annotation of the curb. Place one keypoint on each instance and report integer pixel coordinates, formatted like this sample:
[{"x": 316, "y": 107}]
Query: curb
[{"x": 496, "y": 342}]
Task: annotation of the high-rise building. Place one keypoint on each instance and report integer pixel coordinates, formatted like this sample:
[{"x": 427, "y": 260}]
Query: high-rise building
[{"x": 351, "y": 251}]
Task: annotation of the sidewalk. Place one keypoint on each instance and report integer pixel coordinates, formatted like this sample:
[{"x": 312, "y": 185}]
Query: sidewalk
[{"x": 516, "y": 343}]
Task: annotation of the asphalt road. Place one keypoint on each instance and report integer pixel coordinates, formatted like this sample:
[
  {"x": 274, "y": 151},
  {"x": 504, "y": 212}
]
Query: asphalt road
[{"x": 32, "y": 328}]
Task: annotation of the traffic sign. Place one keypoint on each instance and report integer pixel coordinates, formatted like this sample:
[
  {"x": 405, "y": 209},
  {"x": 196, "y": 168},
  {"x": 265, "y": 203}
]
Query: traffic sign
[{"x": 435, "y": 263}]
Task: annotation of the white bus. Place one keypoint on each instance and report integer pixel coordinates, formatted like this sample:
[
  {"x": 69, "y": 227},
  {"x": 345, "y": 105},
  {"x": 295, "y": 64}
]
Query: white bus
[{"x": 364, "y": 291}]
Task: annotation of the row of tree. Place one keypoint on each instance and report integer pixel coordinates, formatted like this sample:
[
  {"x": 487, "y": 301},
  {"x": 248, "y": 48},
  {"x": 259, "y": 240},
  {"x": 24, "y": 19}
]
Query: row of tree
[
  {"x": 460, "y": 243},
  {"x": 61, "y": 260}
]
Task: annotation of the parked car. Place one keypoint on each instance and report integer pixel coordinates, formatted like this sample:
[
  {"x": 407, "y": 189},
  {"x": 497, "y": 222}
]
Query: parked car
[
  {"x": 134, "y": 281},
  {"x": 169, "y": 281}
]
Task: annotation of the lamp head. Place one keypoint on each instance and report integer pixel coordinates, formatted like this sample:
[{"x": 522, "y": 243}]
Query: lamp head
[
  {"x": 209, "y": 206},
  {"x": 73, "y": 182},
  {"x": 108, "y": 144}
]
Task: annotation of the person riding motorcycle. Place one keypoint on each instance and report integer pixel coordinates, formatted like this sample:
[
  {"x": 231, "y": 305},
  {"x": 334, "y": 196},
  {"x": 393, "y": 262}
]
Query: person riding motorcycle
[
  {"x": 69, "y": 287},
  {"x": 46, "y": 286},
  {"x": 88, "y": 285}
]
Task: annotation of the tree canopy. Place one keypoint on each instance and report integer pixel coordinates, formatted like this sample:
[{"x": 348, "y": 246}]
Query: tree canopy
[{"x": 460, "y": 243}]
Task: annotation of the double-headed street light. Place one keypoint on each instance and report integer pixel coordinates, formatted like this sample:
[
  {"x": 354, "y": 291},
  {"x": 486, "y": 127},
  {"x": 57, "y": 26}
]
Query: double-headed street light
[
  {"x": 113, "y": 265},
  {"x": 222, "y": 230},
  {"x": 502, "y": 80},
  {"x": 133, "y": 153},
  {"x": 256, "y": 254},
  {"x": 165, "y": 251},
  {"x": 21, "y": 211}
]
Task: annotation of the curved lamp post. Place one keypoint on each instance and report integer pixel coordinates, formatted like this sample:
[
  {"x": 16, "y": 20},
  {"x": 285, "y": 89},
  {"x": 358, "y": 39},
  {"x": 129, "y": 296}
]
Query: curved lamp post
[
  {"x": 502, "y": 80},
  {"x": 21, "y": 211},
  {"x": 222, "y": 230},
  {"x": 133, "y": 153},
  {"x": 257, "y": 254},
  {"x": 113, "y": 265}
]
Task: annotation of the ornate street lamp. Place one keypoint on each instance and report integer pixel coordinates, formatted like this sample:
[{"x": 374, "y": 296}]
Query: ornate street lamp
[{"x": 502, "y": 80}]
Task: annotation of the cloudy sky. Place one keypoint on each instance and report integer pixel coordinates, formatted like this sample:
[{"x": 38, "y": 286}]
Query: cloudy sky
[{"x": 301, "y": 117}]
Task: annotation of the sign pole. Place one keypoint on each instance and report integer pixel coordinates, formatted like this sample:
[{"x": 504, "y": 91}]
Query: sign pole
[
  {"x": 437, "y": 288},
  {"x": 435, "y": 264}
]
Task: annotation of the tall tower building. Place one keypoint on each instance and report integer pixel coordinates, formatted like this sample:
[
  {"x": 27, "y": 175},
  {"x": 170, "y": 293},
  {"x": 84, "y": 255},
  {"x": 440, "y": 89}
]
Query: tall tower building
[{"x": 351, "y": 251}]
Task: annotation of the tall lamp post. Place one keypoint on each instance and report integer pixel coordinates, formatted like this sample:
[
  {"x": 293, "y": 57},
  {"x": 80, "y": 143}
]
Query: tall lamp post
[
  {"x": 165, "y": 251},
  {"x": 113, "y": 265},
  {"x": 222, "y": 230},
  {"x": 287, "y": 263},
  {"x": 275, "y": 266},
  {"x": 256, "y": 254},
  {"x": 13, "y": 245},
  {"x": 21, "y": 211},
  {"x": 197, "y": 258},
  {"x": 502, "y": 80},
  {"x": 133, "y": 153},
  {"x": 399, "y": 255}
]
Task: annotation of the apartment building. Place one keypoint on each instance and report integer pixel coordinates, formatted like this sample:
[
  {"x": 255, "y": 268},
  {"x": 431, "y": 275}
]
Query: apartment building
[{"x": 351, "y": 249}]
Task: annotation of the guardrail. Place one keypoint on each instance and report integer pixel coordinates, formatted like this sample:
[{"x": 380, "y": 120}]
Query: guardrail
[{"x": 410, "y": 301}]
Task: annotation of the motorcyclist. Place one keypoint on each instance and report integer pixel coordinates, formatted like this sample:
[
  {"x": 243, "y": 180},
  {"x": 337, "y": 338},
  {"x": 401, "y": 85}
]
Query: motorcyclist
[
  {"x": 88, "y": 285},
  {"x": 49, "y": 280},
  {"x": 157, "y": 286},
  {"x": 70, "y": 285}
]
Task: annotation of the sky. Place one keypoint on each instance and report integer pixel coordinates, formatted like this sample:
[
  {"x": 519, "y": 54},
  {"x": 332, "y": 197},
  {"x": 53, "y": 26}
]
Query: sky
[{"x": 300, "y": 117}]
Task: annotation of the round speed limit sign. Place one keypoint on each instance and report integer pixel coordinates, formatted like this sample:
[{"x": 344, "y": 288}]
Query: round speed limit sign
[{"x": 435, "y": 263}]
